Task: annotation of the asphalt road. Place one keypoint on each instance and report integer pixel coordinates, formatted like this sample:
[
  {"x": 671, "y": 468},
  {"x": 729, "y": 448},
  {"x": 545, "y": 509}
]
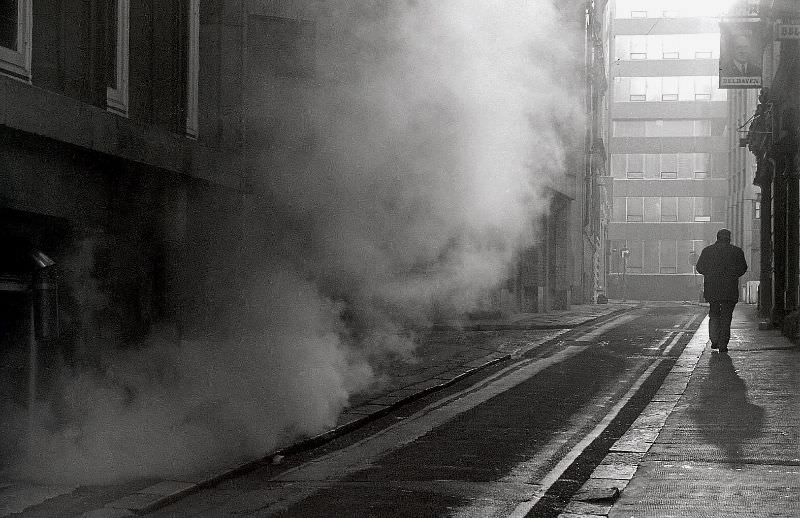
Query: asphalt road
[{"x": 518, "y": 441}]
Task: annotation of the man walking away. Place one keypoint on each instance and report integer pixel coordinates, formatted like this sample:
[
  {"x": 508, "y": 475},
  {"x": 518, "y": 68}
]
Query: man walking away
[{"x": 721, "y": 265}]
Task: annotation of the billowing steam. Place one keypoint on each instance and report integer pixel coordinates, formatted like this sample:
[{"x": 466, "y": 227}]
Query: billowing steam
[{"x": 397, "y": 181}]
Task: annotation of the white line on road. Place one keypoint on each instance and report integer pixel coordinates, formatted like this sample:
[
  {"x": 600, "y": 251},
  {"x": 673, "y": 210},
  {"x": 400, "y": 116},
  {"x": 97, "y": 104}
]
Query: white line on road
[
  {"x": 672, "y": 344},
  {"x": 675, "y": 340},
  {"x": 524, "y": 507},
  {"x": 592, "y": 335}
]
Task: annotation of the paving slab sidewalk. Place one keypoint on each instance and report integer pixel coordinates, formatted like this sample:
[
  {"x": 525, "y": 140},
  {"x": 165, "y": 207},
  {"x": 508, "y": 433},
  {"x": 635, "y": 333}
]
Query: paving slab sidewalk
[
  {"x": 445, "y": 354},
  {"x": 720, "y": 439}
]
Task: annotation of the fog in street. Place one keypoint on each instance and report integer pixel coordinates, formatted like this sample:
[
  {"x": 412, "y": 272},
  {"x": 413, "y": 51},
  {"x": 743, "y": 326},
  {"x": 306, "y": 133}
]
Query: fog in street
[{"x": 393, "y": 189}]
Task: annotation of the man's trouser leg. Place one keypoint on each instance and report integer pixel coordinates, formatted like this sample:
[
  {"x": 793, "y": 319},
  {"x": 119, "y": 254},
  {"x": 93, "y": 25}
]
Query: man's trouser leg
[
  {"x": 714, "y": 311},
  {"x": 725, "y": 316}
]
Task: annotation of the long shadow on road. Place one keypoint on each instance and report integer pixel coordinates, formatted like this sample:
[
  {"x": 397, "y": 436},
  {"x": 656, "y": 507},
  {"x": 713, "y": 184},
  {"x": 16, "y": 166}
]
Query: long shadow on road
[{"x": 724, "y": 415}]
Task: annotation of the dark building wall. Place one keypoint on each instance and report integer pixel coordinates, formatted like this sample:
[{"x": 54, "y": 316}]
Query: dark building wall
[
  {"x": 70, "y": 42},
  {"x": 158, "y": 63},
  {"x": 73, "y": 54},
  {"x": 135, "y": 246}
]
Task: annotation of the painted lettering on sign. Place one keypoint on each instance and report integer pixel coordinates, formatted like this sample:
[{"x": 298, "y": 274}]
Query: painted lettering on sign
[{"x": 789, "y": 32}]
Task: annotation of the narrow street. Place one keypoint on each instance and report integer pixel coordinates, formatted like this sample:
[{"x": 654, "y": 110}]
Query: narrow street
[{"x": 518, "y": 440}]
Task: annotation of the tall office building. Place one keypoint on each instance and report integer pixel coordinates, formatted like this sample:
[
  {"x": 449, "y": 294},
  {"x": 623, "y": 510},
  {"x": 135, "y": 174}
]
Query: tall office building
[{"x": 668, "y": 146}]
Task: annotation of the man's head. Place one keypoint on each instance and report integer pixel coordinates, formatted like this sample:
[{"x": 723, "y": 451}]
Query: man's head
[
  {"x": 741, "y": 48},
  {"x": 724, "y": 235}
]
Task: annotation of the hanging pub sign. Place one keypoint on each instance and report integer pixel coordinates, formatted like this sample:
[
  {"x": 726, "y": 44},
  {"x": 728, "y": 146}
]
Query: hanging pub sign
[{"x": 740, "y": 55}]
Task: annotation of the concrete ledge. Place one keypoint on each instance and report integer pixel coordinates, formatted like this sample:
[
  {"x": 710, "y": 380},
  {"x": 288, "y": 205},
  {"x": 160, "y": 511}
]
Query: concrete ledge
[{"x": 34, "y": 110}]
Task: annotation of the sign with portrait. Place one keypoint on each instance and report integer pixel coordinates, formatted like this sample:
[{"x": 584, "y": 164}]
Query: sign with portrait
[{"x": 740, "y": 55}]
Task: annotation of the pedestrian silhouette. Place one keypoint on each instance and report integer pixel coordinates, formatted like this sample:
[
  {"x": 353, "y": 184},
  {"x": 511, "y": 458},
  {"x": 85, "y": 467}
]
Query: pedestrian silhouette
[{"x": 721, "y": 265}]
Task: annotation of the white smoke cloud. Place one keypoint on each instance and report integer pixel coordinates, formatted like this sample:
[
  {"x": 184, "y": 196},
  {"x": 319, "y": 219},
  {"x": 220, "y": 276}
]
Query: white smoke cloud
[
  {"x": 174, "y": 409},
  {"x": 404, "y": 180},
  {"x": 436, "y": 126}
]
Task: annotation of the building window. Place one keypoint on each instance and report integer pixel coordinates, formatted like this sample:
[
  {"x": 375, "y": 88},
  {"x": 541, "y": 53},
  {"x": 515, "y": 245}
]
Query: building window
[
  {"x": 635, "y": 209},
  {"x": 193, "y": 69},
  {"x": 703, "y": 55},
  {"x": 117, "y": 87},
  {"x": 669, "y": 164},
  {"x": 638, "y": 14},
  {"x": 668, "y": 256},
  {"x": 672, "y": 55},
  {"x": 702, "y": 209},
  {"x": 669, "y": 89},
  {"x": 638, "y": 87},
  {"x": 702, "y": 165},
  {"x": 669, "y": 209},
  {"x": 669, "y": 175},
  {"x": 757, "y": 207},
  {"x": 685, "y": 209},
  {"x": 15, "y": 37},
  {"x": 635, "y": 256},
  {"x": 652, "y": 209},
  {"x": 703, "y": 88},
  {"x": 635, "y": 166}
]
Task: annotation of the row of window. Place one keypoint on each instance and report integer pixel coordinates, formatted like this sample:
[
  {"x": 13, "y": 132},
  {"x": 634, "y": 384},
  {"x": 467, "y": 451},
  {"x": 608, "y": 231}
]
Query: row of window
[
  {"x": 668, "y": 209},
  {"x": 669, "y": 88},
  {"x": 666, "y": 256},
  {"x": 666, "y": 9},
  {"x": 668, "y": 128},
  {"x": 666, "y": 46},
  {"x": 16, "y": 27},
  {"x": 664, "y": 166}
]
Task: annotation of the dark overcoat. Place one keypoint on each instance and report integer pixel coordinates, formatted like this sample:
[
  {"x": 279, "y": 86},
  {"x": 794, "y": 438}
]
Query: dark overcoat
[{"x": 721, "y": 265}]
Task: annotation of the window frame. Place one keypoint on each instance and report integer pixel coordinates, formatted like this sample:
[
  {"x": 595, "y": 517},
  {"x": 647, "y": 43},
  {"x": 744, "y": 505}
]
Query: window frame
[
  {"x": 698, "y": 201},
  {"x": 192, "y": 126},
  {"x": 663, "y": 266},
  {"x": 632, "y": 217},
  {"x": 117, "y": 98},
  {"x": 669, "y": 216},
  {"x": 17, "y": 62}
]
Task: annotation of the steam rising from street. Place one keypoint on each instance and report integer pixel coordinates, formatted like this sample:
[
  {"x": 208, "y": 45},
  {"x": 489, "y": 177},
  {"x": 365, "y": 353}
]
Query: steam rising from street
[{"x": 395, "y": 186}]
